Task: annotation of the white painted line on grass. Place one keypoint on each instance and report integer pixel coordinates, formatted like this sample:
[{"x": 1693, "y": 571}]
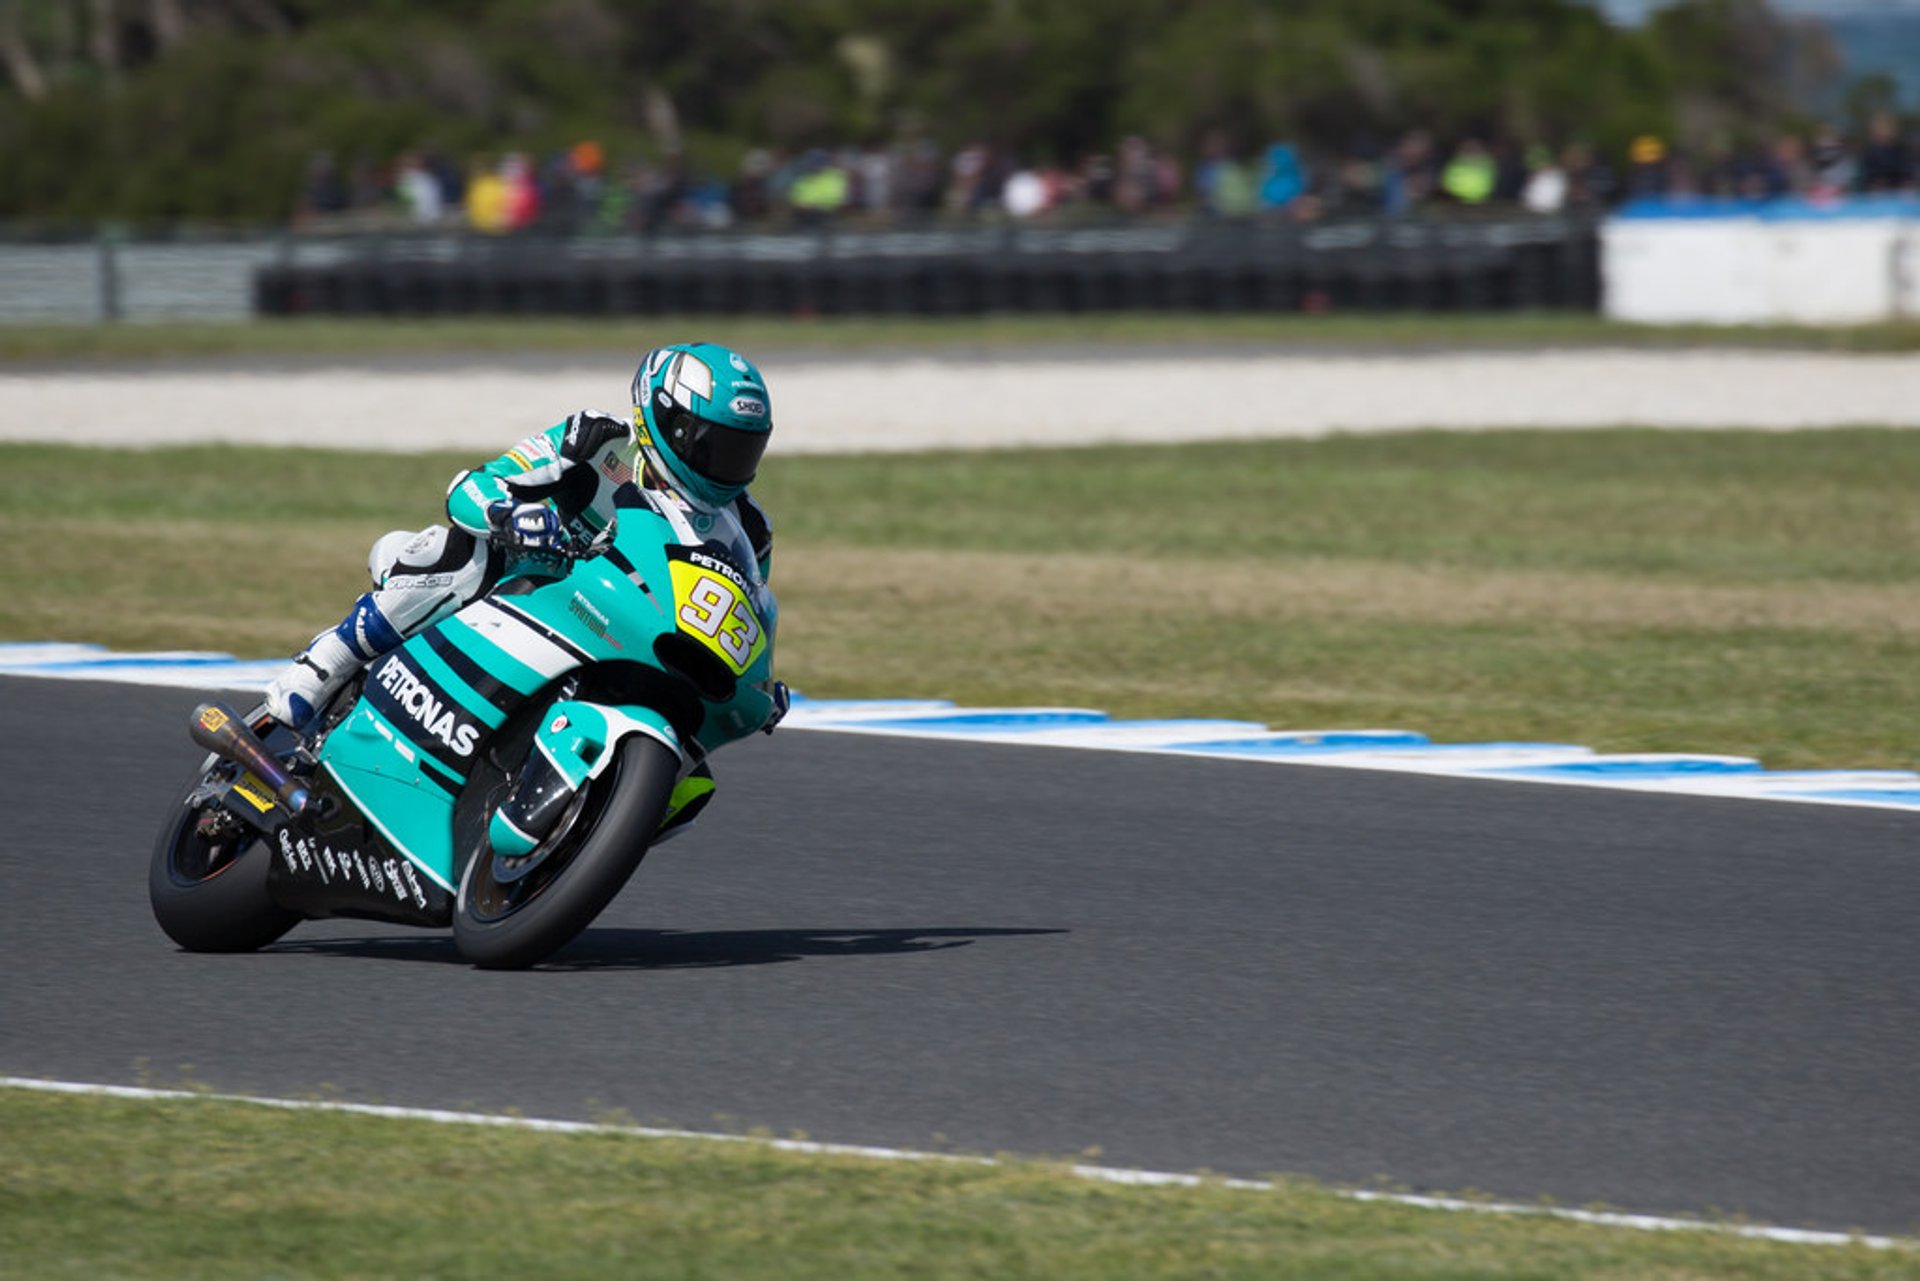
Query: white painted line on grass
[{"x": 1101, "y": 1173}]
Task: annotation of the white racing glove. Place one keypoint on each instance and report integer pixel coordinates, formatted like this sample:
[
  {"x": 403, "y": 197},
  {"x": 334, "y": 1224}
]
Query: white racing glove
[{"x": 531, "y": 526}]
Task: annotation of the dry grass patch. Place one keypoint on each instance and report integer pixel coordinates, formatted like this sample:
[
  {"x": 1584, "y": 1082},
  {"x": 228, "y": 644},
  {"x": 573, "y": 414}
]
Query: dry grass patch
[{"x": 1091, "y": 587}]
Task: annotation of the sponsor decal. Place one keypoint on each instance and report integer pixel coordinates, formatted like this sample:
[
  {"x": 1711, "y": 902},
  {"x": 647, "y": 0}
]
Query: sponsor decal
[
  {"x": 423, "y": 704},
  {"x": 421, "y": 582},
  {"x": 592, "y": 619},
  {"x": 718, "y": 566},
  {"x": 387, "y": 876},
  {"x": 212, "y": 718},
  {"x": 749, "y": 407},
  {"x": 739, "y": 364},
  {"x": 244, "y": 787},
  {"x": 616, "y": 469}
]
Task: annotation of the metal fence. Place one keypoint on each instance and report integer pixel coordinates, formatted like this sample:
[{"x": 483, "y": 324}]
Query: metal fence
[
  {"x": 142, "y": 281},
  {"x": 1533, "y": 262}
]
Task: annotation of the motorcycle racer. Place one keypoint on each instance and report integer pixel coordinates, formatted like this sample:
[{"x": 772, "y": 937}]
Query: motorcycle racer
[{"x": 700, "y": 421}]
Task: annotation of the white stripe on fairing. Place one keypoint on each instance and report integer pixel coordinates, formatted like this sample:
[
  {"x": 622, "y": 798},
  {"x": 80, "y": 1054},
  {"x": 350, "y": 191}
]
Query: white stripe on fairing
[
  {"x": 1105, "y": 1174},
  {"x": 1400, "y": 751},
  {"x": 513, "y": 634}
]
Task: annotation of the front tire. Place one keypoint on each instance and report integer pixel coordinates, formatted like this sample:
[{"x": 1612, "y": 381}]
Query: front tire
[
  {"x": 209, "y": 892},
  {"x": 583, "y": 865}
]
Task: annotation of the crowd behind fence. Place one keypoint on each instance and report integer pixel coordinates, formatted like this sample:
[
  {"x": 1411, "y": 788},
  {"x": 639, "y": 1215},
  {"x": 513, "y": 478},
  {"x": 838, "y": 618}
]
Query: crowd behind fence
[{"x": 583, "y": 189}]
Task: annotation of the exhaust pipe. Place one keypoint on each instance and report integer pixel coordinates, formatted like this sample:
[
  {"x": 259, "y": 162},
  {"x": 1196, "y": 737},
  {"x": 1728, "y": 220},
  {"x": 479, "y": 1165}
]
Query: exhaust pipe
[{"x": 216, "y": 728}]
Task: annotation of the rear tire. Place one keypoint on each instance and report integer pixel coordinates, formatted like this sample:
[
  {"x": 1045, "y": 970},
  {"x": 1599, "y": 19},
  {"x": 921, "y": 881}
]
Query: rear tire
[
  {"x": 211, "y": 896},
  {"x": 584, "y": 865}
]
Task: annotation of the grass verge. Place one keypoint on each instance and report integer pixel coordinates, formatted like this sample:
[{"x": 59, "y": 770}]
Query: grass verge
[
  {"x": 97, "y": 1186},
  {"x": 481, "y": 336},
  {"x": 1750, "y": 593}
]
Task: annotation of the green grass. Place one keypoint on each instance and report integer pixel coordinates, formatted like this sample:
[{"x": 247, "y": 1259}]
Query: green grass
[
  {"x": 95, "y": 1187},
  {"x": 1749, "y": 593},
  {"x": 343, "y": 337}
]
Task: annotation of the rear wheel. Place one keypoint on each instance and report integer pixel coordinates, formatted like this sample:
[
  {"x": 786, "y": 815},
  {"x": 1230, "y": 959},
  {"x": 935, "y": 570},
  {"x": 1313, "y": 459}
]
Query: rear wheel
[
  {"x": 207, "y": 879},
  {"x": 507, "y": 917}
]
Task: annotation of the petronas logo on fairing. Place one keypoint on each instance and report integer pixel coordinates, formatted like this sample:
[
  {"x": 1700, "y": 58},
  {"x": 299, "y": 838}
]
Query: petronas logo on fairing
[{"x": 414, "y": 697}]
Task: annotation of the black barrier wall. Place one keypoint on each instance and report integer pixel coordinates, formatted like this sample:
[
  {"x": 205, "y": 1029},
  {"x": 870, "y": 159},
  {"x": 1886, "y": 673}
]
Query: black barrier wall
[{"x": 1427, "y": 265}]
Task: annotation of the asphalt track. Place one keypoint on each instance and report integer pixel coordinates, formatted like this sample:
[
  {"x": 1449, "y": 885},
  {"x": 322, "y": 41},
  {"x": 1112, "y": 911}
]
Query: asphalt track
[{"x": 1675, "y": 1005}]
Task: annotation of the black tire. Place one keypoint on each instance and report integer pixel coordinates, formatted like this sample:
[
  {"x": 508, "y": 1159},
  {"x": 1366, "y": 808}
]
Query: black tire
[
  {"x": 211, "y": 896},
  {"x": 584, "y": 865}
]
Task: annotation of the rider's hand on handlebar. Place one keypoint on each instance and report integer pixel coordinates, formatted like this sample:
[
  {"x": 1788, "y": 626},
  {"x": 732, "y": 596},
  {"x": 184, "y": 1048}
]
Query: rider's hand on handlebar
[{"x": 532, "y": 526}]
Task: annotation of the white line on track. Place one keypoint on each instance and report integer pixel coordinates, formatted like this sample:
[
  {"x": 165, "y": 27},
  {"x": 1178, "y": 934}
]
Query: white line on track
[
  {"x": 1101, "y": 1173},
  {"x": 1400, "y": 751}
]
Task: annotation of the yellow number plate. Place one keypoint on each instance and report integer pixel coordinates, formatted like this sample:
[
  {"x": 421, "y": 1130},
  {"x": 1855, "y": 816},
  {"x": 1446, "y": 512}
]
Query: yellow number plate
[{"x": 713, "y": 610}]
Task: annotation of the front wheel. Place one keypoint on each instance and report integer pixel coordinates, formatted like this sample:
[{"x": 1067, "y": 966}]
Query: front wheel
[{"x": 594, "y": 851}]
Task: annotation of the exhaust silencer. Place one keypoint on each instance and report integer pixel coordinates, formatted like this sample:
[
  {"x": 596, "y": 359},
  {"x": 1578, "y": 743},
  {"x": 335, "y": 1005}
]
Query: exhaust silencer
[{"x": 216, "y": 728}]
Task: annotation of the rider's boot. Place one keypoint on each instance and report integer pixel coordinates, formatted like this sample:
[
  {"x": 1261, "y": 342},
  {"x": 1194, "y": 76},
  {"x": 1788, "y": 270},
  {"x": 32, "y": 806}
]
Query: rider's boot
[{"x": 328, "y": 661}]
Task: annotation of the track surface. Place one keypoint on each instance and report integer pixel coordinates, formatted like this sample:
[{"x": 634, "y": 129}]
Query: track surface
[{"x": 1666, "y": 1004}]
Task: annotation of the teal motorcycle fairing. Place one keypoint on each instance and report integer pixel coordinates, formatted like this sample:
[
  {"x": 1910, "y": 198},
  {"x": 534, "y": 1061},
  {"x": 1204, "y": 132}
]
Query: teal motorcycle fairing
[{"x": 660, "y": 634}]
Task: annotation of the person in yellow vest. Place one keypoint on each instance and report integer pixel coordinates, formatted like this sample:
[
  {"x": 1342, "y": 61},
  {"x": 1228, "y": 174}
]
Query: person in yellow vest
[
  {"x": 486, "y": 199},
  {"x": 1470, "y": 175},
  {"x": 820, "y": 191}
]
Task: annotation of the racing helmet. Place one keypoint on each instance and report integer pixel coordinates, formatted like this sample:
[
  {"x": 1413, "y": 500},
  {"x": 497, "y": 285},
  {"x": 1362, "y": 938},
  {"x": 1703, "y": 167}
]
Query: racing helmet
[{"x": 701, "y": 419}]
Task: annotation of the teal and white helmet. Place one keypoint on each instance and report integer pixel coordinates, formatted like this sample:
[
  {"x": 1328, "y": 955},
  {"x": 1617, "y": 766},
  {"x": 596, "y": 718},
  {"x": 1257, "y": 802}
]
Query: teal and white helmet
[{"x": 701, "y": 417}]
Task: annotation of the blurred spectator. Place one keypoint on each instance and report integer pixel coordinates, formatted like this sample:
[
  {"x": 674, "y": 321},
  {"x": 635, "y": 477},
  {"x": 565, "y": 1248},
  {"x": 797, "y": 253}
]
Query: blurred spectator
[
  {"x": 1471, "y": 174},
  {"x": 968, "y": 180},
  {"x": 1886, "y": 162},
  {"x": 920, "y": 172},
  {"x": 1591, "y": 181},
  {"x": 1284, "y": 180},
  {"x": 1545, "y": 191},
  {"x": 1793, "y": 171},
  {"x": 1096, "y": 179},
  {"x": 875, "y": 169},
  {"x": 1223, "y": 183},
  {"x": 1646, "y": 166},
  {"x": 819, "y": 191},
  {"x": 487, "y": 200},
  {"x": 1834, "y": 169},
  {"x": 367, "y": 186},
  {"x": 572, "y": 187},
  {"x": 1407, "y": 178},
  {"x": 1134, "y": 182},
  {"x": 419, "y": 191},
  {"x": 1358, "y": 186},
  {"x": 521, "y": 202},
  {"x": 751, "y": 199},
  {"x": 1025, "y": 193},
  {"x": 323, "y": 192}
]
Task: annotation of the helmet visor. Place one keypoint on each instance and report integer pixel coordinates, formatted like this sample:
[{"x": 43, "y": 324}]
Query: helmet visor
[{"x": 722, "y": 454}]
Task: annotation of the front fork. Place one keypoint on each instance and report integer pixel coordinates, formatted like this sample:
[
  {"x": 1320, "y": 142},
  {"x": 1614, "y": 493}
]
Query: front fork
[{"x": 577, "y": 744}]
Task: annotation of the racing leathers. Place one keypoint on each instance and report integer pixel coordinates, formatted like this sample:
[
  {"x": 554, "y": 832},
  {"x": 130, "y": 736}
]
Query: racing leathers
[{"x": 562, "y": 479}]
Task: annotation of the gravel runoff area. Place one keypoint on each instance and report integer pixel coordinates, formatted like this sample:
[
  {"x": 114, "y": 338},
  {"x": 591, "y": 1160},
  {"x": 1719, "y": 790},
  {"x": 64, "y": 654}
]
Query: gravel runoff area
[{"x": 916, "y": 403}]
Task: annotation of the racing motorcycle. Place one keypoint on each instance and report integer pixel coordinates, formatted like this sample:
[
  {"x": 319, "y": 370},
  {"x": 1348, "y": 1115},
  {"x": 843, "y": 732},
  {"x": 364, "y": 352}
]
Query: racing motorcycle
[{"x": 505, "y": 770}]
